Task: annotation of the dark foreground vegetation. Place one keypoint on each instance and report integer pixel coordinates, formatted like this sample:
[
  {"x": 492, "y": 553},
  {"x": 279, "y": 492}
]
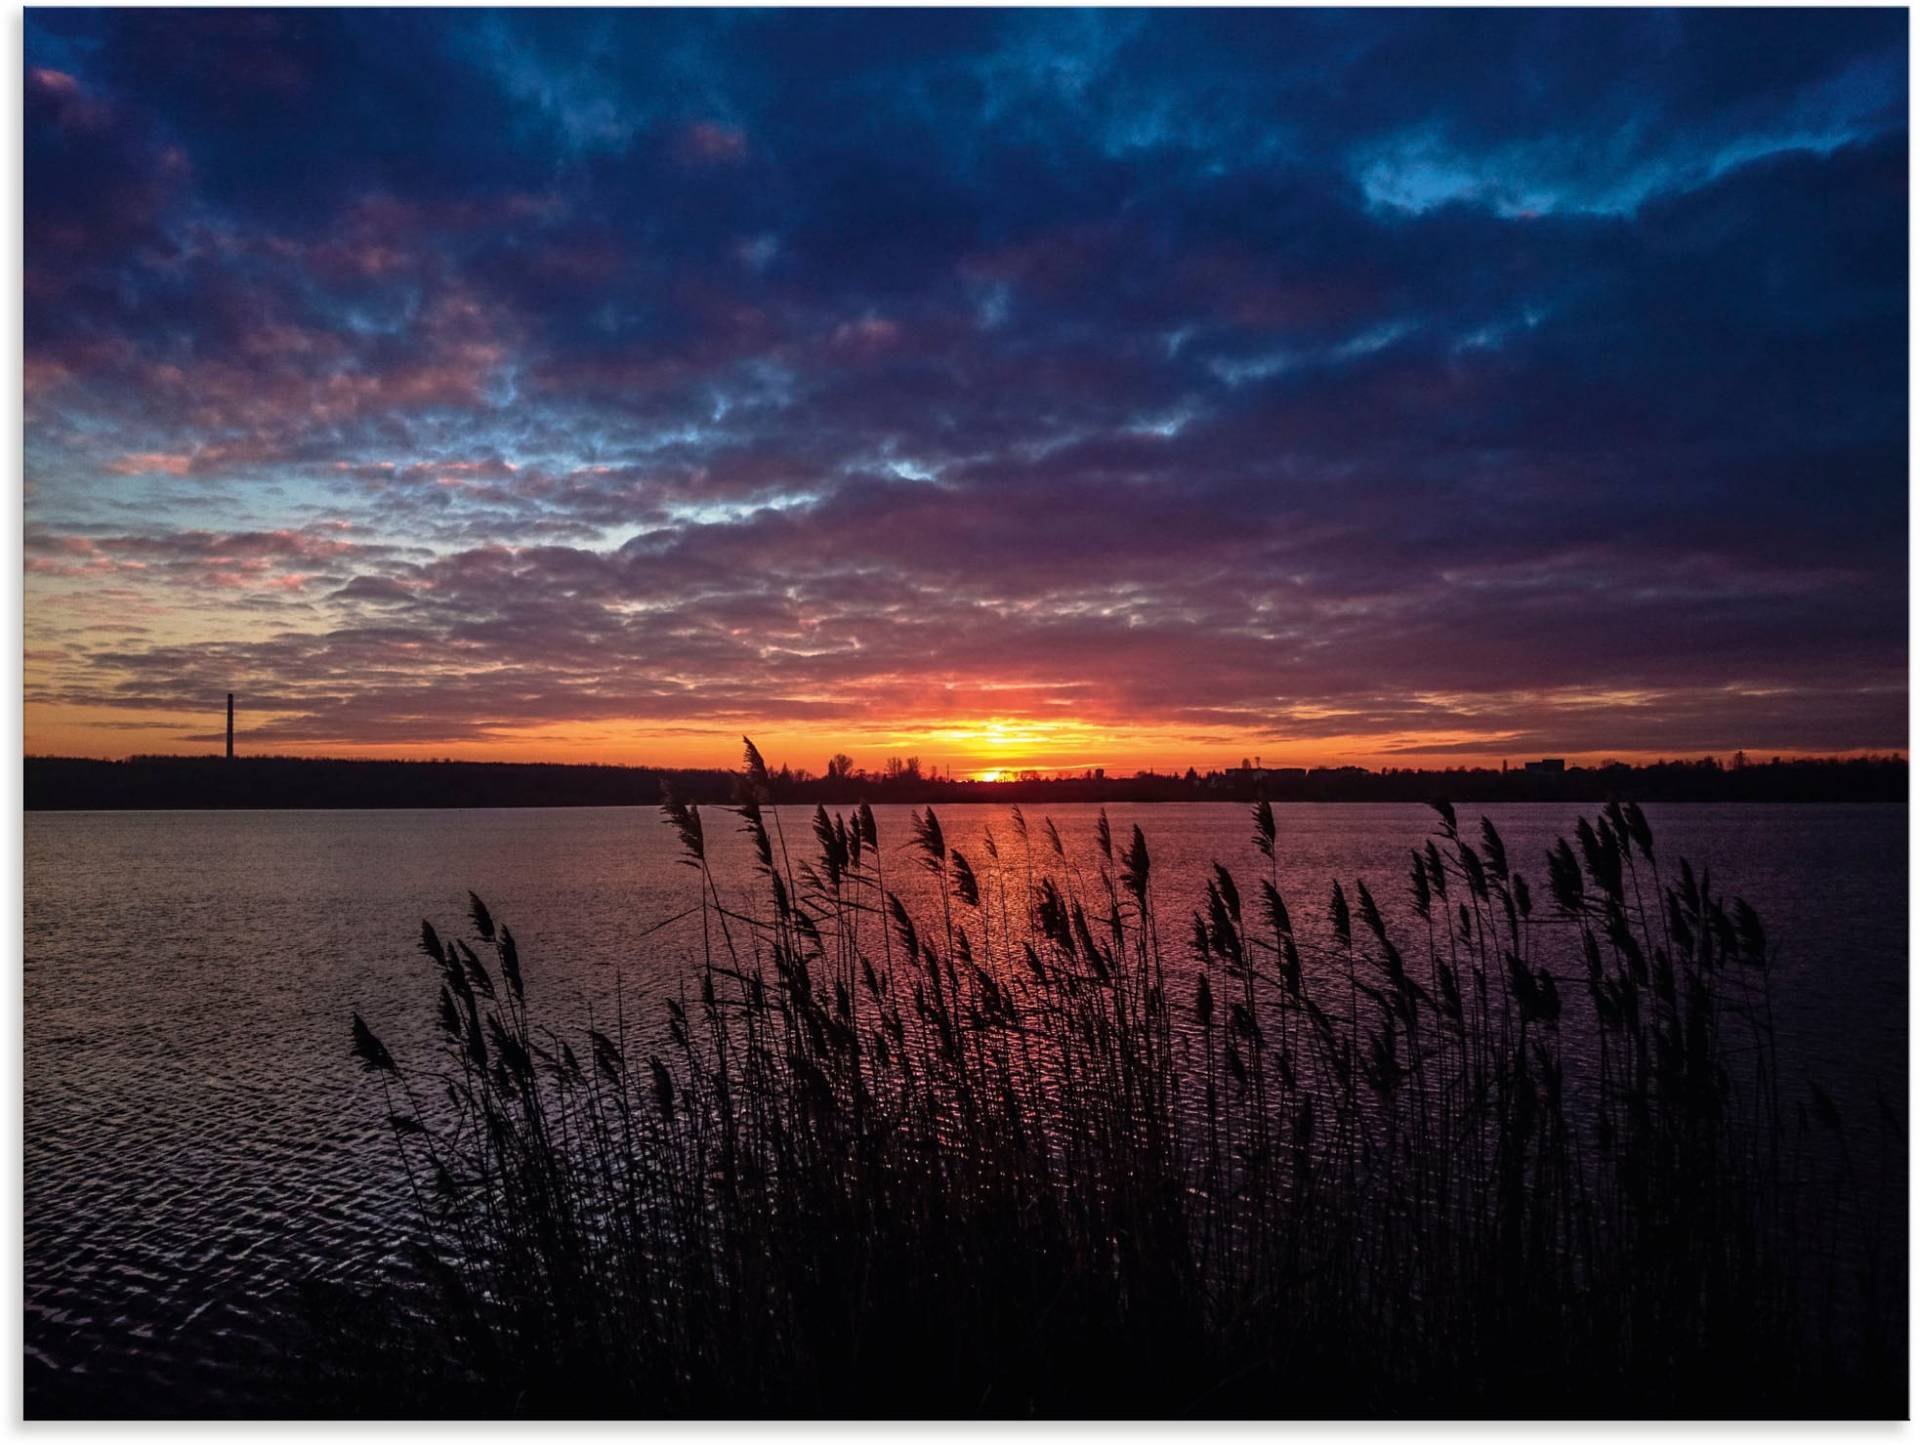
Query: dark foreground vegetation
[
  {"x": 272, "y": 782},
  {"x": 1038, "y": 1148}
]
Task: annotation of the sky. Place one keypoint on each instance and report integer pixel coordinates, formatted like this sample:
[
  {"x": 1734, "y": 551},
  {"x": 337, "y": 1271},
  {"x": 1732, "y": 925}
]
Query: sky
[{"x": 1013, "y": 389}]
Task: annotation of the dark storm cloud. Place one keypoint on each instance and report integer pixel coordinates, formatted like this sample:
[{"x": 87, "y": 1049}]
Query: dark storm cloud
[{"x": 1529, "y": 375}]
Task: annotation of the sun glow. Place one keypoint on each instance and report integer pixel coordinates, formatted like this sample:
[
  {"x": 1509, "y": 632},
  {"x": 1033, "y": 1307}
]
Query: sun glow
[
  {"x": 1000, "y": 748},
  {"x": 996, "y": 748}
]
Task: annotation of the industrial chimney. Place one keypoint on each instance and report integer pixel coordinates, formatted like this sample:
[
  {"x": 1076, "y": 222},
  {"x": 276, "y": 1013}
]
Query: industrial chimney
[{"x": 229, "y": 725}]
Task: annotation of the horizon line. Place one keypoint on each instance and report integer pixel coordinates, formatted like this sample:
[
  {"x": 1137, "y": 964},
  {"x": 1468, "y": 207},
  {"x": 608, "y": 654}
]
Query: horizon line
[{"x": 1596, "y": 761}]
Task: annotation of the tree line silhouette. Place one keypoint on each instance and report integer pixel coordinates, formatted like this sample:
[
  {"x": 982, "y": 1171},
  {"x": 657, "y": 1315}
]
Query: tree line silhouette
[{"x": 53, "y": 783}]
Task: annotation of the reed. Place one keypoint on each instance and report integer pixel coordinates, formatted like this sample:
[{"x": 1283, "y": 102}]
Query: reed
[{"x": 1032, "y": 1151}]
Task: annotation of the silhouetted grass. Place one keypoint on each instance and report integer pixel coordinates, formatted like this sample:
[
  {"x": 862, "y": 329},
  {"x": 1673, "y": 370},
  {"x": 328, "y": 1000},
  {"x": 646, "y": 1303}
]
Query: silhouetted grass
[{"x": 1040, "y": 1150}]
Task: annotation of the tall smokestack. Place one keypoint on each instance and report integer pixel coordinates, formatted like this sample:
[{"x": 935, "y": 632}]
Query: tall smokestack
[{"x": 229, "y": 724}]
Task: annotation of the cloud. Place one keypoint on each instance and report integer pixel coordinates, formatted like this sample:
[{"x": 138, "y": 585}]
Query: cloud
[
  {"x": 709, "y": 143},
  {"x": 1455, "y": 381}
]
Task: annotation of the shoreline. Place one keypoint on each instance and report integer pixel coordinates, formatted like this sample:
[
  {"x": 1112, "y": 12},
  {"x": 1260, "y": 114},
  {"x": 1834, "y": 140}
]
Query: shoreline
[{"x": 199, "y": 784}]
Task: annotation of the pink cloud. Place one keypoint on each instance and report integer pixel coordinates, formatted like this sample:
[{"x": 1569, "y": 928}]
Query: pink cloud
[
  {"x": 55, "y": 81},
  {"x": 710, "y": 143},
  {"x": 866, "y": 337},
  {"x": 137, "y": 464}
]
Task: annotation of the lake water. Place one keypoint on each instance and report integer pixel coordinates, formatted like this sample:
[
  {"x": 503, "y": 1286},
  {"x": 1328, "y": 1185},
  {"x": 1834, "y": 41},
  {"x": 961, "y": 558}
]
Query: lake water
[{"x": 197, "y": 1139}]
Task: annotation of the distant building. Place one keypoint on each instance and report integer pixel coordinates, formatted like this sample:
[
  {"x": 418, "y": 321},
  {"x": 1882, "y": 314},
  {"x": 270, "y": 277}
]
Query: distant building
[{"x": 1548, "y": 765}]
